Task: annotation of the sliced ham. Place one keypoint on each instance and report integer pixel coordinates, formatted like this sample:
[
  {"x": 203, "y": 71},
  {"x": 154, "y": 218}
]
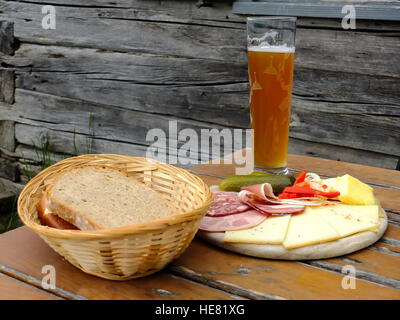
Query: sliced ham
[
  {"x": 265, "y": 206},
  {"x": 238, "y": 221},
  {"x": 263, "y": 191},
  {"x": 277, "y": 209},
  {"x": 246, "y": 196}
]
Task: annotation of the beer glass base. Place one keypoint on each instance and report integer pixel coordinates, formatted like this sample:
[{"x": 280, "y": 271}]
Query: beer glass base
[{"x": 280, "y": 170}]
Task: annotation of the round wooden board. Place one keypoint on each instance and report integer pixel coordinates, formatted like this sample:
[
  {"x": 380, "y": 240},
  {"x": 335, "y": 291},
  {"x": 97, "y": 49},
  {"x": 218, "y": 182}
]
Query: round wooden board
[{"x": 325, "y": 250}]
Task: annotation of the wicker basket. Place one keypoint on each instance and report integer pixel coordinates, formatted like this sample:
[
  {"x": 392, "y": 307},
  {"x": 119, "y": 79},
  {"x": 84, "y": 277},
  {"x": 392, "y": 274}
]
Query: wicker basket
[{"x": 131, "y": 251}]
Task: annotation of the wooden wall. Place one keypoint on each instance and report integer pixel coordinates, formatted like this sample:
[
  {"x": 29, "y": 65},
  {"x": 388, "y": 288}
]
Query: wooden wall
[{"x": 111, "y": 71}]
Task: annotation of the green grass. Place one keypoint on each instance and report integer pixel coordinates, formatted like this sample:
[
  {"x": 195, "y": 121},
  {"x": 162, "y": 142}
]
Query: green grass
[
  {"x": 12, "y": 221},
  {"x": 90, "y": 136},
  {"x": 45, "y": 158}
]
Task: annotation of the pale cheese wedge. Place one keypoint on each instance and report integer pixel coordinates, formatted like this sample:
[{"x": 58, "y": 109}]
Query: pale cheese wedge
[
  {"x": 352, "y": 190},
  {"x": 308, "y": 228},
  {"x": 350, "y": 219},
  {"x": 270, "y": 231}
]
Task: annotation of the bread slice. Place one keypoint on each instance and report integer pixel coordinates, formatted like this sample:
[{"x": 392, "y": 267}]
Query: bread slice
[{"x": 97, "y": 197}]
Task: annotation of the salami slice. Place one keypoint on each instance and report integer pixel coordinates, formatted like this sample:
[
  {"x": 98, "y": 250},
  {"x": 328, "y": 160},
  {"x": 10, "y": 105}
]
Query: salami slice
[
  {"x": 238, "y": 221},
  {"x": 225, "y": 195},
  {"x": 226, "y": 203},
  {"x": 224, "y": 208}
]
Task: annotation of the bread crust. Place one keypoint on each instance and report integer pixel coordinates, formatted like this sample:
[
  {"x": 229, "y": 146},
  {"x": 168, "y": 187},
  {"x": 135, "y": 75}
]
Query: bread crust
[
  {"x": 71, "y": 215},
  {"x": 51, "y": 219}
]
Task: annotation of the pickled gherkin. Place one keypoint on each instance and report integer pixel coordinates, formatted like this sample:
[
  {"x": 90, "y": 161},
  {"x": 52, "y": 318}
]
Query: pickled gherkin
[{"x": 277, "y": 181}]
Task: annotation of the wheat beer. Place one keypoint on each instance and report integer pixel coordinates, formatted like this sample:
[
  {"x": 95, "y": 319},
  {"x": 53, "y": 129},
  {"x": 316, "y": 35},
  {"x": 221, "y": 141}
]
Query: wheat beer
[
  {"x": 270, "y": 70},
  {"x": 271, "y": 80}
]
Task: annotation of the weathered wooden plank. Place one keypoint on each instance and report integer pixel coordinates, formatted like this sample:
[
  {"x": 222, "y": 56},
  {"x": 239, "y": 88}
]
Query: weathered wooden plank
[
  {"x": 7, "y": 135},
  {"x": 350, "y": 52},
  {"x": 123, "y": 126},
  {"x": 121, "y": 89},
  {"x": 8, "y": 169},
  {"x": 188, "y": 88},
  {"x": 322, "y": 86},
  {"x": 332, "y": 86},
  {"x": 7, "y": 86},
  {"x": 365, "y": 53},
  {"x": 344, "y": 124},
  {"x": 210, "y": 103},
  {"x": 72, "y": 117},
  {"x": 334, "y": 152},
  {"x": 389, "y": 28},
  {"x": 85, "y": 68},
  {"x": 8, "y": 186},
  {"x": 62, "y": 146},
  {"x": 312, "y": 53},
  {"x": 320, "y": 9},
  {"x": 220, "y": 13},
  {"x": 25, "y": 252},
  {"x": 224, "y": 43},
  {"x": 136, "y": 68},
  {"x": 151, "y": 36},
  {"x": 7, "y": 41}
]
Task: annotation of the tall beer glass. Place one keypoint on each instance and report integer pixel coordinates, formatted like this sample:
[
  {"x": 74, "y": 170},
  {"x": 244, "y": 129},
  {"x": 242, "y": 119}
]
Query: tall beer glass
[{"x": 271, "y": 46}]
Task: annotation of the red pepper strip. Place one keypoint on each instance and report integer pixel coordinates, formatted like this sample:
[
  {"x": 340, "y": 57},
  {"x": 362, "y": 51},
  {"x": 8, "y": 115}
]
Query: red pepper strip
[
  {"x": 307, "y": 191},
  {"x": 288, "y": 196},
  {"x": 300, "y": 178},
  {"x": 302, "y": 184}
]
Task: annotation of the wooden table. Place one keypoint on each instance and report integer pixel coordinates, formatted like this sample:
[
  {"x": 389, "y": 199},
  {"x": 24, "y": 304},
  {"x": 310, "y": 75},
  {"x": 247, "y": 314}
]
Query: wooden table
[{"x": 208, "y": 272}]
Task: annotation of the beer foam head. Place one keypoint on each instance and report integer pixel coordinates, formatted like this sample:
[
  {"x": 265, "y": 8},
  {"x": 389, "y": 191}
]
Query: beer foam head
[
  {"x": 268, "y": 43},
  {"x": 268, "y": 48}
]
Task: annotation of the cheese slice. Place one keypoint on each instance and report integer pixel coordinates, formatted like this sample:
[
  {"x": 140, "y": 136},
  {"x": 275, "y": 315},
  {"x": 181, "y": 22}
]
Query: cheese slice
[
  {"x": 350, "y": 219},
  {"x": 308, "y": 228},
  {"x": 352, "y": 190},
  {"x": 271, "y": 231}
]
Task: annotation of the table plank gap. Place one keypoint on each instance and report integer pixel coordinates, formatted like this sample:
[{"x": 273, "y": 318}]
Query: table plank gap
[
  {"x": 386, "y": 250},
  {"x": 360, "y": 274},
  {"x": 13, "y": 289},
  {"x": 30, "y": 280},
  {"x": 221, "y": 285},
  {"x": 181, "y": 276},
  {"x": 393, "y": 220}
]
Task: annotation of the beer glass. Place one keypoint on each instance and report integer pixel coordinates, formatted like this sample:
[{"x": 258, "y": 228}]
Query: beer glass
[{"x": 270, "y": 49}]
